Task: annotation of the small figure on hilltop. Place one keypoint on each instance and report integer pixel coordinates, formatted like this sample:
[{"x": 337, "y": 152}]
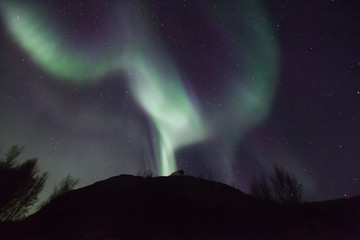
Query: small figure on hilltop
[{"x": 178, "y": 173}]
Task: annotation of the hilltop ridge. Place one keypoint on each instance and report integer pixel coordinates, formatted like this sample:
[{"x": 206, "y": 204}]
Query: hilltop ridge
[{"x": 183, "y": 207}]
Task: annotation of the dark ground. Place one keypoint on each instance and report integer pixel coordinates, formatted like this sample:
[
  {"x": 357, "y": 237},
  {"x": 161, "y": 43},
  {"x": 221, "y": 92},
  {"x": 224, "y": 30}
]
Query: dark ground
[{"x": 182, "y": 207}]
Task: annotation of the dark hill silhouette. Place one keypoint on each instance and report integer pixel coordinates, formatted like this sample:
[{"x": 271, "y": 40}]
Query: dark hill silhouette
[{"x": 182, "y": 207}]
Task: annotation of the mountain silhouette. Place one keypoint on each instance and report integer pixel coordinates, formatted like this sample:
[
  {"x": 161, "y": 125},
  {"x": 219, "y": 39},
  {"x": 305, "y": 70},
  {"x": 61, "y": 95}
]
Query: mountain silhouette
[{"x": 182, "y": 207}]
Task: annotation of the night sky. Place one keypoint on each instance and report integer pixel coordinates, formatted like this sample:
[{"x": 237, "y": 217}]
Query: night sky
[{"x": 221, "y": 88}]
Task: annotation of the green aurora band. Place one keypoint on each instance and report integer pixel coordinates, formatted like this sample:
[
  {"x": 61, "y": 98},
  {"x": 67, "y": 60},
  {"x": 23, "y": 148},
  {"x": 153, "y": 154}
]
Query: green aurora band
[
  {"x": 249, "y": 100},
  {"x": 156, "y": 84},
  {"x": 158, "y": 89},
  {"x": 40, "y": 38}
]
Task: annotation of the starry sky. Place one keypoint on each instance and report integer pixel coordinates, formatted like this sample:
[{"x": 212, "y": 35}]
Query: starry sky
[{"x": 216, "y": 88}]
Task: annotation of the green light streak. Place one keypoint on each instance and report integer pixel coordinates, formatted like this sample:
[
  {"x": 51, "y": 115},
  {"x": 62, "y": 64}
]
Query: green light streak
[
  {"x": 250, "y": 98},
  {"x": 159, "y": 90},
  {"x": 155, "y": 81},
  {"x": 156, "y": 86},
  {"x": 48, "y": 48},
  {"x": 252, "y": 94}
]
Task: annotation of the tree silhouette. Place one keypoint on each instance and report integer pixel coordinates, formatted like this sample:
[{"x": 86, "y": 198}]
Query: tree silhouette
[
  {"x": 66, "y": 185},
  {"x": 20, "y": 185},
  {"x": 283, "y": 188},
  {"x": 146, "y": 173},
  {"x": 287, "y": 188},
  {"x": 261, "y": 189}
]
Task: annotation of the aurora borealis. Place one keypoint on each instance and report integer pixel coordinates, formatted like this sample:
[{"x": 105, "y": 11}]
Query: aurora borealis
[{"x": 96, "y": 89}]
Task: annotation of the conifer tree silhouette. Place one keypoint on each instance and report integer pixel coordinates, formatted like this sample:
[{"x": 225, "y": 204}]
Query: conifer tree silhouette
[{"x": 20, "y": 185}]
